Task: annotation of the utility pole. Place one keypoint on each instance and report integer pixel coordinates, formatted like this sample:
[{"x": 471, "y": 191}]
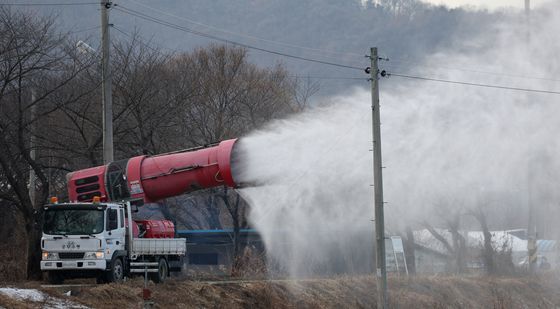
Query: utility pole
[
  {"x": 106, "y": 84},
  {"x": 381, "y": 268},
  {"x": 531, "y": 226}
]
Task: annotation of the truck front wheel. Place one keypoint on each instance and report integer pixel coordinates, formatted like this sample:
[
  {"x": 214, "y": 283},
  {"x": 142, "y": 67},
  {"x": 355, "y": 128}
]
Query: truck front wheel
[
  {"x": 163, "y": 271},
  {"x": 116, "y": 272}
]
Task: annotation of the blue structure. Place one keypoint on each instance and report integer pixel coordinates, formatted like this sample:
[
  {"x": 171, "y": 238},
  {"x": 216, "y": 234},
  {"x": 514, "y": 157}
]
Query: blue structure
[
  {"x": 210, "y": 252},
  {"x": 224, "y": 236}
]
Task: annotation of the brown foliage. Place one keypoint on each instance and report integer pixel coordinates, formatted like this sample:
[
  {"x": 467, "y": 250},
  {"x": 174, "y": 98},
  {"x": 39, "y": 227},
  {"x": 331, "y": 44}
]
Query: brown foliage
[{"x": 341, "y": 292}]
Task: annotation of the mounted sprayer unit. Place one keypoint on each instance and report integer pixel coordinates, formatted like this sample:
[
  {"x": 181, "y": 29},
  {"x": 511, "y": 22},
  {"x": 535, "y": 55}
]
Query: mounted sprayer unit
[{"x": 152, "y": 178}]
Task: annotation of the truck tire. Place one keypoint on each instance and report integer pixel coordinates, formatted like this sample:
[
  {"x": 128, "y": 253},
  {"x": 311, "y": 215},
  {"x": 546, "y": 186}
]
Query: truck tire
[
  {"x": 163, "y": 271},
  {"x": 55, "y": 277},
  {"x": 116, "y": 272}
]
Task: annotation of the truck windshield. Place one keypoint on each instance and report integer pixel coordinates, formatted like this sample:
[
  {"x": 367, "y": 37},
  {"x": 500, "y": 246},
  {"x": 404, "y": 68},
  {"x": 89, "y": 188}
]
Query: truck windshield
[{"x": 73, "y": 221}]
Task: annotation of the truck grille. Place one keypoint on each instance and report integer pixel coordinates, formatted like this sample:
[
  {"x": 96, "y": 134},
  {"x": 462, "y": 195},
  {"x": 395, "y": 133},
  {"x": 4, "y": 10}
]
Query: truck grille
[{"x": 70, "y": 255}]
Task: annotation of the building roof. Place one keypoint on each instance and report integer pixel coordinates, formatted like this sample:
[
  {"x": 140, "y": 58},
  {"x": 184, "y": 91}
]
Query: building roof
[{"x": 508, "y": 239}]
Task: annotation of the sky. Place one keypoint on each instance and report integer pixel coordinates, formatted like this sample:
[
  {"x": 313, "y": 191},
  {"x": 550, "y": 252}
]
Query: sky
[{"x": 489, "y": 4}]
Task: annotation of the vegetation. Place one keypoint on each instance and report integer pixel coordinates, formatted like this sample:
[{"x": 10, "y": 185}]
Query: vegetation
[
  {"x": 355, "y": 292},
  {"x": 50, "y": 111}
]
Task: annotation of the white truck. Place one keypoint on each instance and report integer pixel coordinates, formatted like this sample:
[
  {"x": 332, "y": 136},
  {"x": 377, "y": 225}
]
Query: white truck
[{"x": 97, "y": 240}]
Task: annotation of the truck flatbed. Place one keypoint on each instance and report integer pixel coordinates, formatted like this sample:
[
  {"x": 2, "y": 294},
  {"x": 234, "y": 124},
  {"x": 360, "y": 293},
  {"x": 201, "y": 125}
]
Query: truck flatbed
[{"x": 158, "y": 246}]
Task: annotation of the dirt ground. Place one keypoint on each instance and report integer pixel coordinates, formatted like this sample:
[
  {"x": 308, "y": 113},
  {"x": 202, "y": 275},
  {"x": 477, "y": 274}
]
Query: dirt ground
[{"x": 341, "y": 292}]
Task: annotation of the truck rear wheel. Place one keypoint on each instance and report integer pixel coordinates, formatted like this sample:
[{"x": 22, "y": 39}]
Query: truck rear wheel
[
  {"x": 163, "y": 271},
  {"x": 116, "y": 273}
]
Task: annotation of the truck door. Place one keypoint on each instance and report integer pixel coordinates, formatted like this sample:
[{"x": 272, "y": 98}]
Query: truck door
[{"x": 115, "y": 232}]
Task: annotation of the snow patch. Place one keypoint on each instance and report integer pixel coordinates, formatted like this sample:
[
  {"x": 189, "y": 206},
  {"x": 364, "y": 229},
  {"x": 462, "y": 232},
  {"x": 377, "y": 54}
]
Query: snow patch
[
  {"x": 23, "y": 294},
  {"x": 48, "y": 302}
]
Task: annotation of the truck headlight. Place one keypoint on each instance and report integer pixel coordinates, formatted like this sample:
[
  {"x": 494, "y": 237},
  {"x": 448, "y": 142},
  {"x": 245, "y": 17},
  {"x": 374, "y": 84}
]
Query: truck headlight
[
  {"x": 94, "y": 255},
  {"x": 50, "y": 255}
]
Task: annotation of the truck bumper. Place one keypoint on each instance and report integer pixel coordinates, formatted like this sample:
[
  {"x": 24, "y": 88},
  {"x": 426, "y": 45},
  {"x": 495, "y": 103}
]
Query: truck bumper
[{"x": 73, "y": 264}]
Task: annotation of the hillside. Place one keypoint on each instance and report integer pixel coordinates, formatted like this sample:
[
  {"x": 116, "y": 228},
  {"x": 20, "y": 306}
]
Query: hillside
[{"x": 406, "y": 31}]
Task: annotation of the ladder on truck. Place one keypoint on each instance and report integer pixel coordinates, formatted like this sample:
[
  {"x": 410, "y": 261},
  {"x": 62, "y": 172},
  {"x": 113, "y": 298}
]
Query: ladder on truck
[{"x": 144, "y": 267}]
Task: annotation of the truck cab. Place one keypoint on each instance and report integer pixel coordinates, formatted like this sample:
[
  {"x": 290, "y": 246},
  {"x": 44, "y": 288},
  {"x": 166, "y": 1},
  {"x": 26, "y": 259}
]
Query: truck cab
[
  {"x": 84, "y": 239},
  {"x": 101, "y": 240}
]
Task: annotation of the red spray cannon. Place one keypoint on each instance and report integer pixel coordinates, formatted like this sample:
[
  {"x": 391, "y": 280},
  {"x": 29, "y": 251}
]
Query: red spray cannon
[{"x": 152, "y": 178}]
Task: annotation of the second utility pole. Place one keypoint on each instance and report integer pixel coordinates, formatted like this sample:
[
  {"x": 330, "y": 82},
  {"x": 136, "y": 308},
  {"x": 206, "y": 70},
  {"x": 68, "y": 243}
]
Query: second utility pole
[
  {"x": 106, "y": 84},
  {"x": 381, "y": 268},
  {"x": 532, "y": 226}
]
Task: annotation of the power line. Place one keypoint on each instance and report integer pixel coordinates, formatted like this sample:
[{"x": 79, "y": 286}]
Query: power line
[
  {"x": 130, "y": 36},
  {"x": 188, "y": 30},
  {"x": 49, "y": 4},
  {"x": 242, "y": 34},
  {"x": 293, "y": 76},
  {"x": 472, "y": 71},
  {"x": 84, "y": 30},
  {"x": 472, "y": 84},
  {"x": 191, "y": 31},
  {"x": 329, "y": 77}
]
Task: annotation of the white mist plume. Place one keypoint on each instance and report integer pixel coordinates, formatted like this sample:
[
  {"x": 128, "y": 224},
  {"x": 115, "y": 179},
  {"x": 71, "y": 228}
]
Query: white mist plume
[
  {"x": 314, "y": 188},
  {"x": 448, "y": 148}
]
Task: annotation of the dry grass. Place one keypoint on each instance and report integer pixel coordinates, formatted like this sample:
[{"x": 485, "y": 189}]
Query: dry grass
[
  {"x": 7, "y": 302},
  {"x": 475, "y": 292},
  {"x": 341, "y": 292}
]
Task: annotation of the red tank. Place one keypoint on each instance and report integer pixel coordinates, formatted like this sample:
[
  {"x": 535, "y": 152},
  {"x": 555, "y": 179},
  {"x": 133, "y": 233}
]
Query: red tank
[
  {"x": 135, "y": 229},
  {"x": 152, "y": 178},
  {"x": 156, "y": 228}
]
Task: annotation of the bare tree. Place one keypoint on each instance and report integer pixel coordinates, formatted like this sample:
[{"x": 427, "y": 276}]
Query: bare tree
[
  {"x": 146, "y": 112},
  {"x": 197, "y": 210},
  {"x": 450, "y": 237},
  {"x": 459, "y": 243},
  {"x": 231, "y": 96},
  {"x": 487, "y": 250},
  {"x": 495, "y": 252},
  {"x": 236, "y": 207},
  {"x": 32, "y": 55},
  {"x": 303, "y": 90}
]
